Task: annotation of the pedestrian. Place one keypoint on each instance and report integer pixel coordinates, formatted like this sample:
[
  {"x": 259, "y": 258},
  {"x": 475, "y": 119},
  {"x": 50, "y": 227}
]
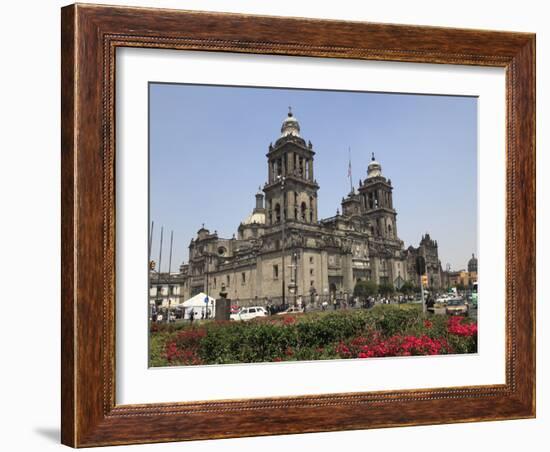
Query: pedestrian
[{"x": 192, "y": 316}]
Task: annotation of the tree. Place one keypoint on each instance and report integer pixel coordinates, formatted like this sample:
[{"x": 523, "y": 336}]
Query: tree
[
  {"x": 407, "y": 288},
  {"x": 386, "y": 289},
  {"x": 364, "y": 289}
]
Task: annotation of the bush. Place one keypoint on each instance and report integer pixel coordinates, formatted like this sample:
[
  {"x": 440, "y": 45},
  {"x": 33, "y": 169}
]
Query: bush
[
  {"x": 385, "y": 330},
  {"x": 392, "y": 319}
]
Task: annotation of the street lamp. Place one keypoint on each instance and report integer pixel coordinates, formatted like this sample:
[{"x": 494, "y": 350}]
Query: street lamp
[
  {"x": 283, "y": 221},
  {"x": 208, "y": 261}
]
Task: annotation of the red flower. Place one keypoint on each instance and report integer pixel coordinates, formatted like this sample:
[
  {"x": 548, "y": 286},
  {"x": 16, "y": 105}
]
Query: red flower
[
  {"x": 427, "y": 324},
  {"x": 396, "y": 345},
  {"x": 343, "y": 350},
  {"x": 455, "y": 326},
  {"x": 289, "y": 320}
]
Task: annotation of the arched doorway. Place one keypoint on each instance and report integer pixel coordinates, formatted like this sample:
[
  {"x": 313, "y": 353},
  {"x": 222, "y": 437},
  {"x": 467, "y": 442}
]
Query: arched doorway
[{"x": 332, "y": 290}]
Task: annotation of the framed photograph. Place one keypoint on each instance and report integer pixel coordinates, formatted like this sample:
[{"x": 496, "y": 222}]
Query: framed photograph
[{"x": 282, "y": 225}]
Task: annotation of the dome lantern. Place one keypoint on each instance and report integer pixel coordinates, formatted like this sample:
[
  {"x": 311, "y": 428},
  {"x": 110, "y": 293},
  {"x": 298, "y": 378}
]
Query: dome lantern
[
  {"x": 374, "y": 169},
  {"x": 290, "y": 125}
]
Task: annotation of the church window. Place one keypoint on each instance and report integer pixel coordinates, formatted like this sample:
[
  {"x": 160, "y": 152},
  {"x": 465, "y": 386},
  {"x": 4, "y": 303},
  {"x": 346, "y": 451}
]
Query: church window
[
  {"x": 311, "y": 259},
  {"x": 303, "y": 209},
  {"x": 228, "y": 280},
  {"x": 277, "y": 213},
  {"x": 243, "y": 278},
  {"x": 275, "y": 272},
  {"x": 311, "y": 271}
]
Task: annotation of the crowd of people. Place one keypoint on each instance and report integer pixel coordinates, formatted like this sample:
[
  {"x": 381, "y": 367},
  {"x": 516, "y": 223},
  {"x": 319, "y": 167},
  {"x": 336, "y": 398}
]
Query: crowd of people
[{"x": 300, "y": 304}]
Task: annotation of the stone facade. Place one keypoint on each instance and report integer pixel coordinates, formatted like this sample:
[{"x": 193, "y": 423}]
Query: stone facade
[
  {"x": 282, "y": 249},
  {"x": 429, "y": 250}
]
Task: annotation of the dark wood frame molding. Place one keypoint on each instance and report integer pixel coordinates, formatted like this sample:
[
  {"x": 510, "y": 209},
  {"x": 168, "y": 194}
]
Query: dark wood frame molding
[{"x": 90, "y": 35}]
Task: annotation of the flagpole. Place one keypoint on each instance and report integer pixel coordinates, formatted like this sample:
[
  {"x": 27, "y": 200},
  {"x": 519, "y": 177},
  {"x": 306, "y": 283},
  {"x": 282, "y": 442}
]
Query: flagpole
[{"x": 349, "y": 170}]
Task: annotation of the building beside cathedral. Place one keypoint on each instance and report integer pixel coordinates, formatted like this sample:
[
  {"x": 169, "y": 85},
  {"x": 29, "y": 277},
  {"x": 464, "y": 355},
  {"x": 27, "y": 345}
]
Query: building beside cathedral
[{"x": 282, "y": 249}]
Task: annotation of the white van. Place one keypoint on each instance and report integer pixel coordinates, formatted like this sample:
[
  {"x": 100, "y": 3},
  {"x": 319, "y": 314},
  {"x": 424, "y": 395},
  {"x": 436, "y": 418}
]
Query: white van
[{"x": 249, "y": 313}]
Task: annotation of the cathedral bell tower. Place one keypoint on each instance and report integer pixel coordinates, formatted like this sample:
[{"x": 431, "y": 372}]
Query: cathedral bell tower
[
  {"x": 377, "y": 202},
  {"x": 291, "y": 189}
]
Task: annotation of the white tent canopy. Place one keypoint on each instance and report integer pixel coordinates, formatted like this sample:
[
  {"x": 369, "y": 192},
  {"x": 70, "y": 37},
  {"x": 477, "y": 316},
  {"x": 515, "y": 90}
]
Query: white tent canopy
[
  {"x": 197, "y": 301},
  {"x": 197, "y": 305}
]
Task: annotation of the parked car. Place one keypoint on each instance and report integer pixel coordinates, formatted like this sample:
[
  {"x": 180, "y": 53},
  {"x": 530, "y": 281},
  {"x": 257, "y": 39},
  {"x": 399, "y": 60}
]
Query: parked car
[
  {"x": 291, "y": 310},
  {"x": 249, "y": 313},
  {"x": 457, "y": 306}
]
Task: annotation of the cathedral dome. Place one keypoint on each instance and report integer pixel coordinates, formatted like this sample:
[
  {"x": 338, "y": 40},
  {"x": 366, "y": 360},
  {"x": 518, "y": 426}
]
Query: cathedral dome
[
  {"x": 374, "y": 169},
  {"x": 254, "y": 218},
  {"x": 290, "y": 125}
]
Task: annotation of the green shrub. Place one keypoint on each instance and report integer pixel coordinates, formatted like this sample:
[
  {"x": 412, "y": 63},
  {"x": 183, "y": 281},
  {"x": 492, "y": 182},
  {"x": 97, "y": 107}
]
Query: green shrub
[{"x": 303, "y": 337}]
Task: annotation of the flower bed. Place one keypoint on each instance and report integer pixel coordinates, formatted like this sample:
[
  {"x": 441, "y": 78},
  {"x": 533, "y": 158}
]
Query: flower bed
[{"x": 380, "y": 332}]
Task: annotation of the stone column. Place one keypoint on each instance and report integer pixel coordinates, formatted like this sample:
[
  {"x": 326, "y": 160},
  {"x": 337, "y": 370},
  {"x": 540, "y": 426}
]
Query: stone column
[
  {"x": 290, "y": 204},
  {"x": 259, "y": 278},
  {"x": 315, "y": 208},
  {"x": 374, "y": 264},
  {"x": 347, "y": 273},
  {"x": 323, "y": 276},
  {"x": 290, "y": 162},
  {"x": 310, "y": 163}
]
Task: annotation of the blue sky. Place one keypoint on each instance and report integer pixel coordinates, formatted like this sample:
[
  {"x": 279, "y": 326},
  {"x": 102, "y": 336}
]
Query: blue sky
[{"x": 208, "y": 148}]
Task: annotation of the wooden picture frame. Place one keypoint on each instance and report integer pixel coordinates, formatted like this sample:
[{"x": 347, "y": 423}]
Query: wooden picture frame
[{"x": 90, "y": 36}]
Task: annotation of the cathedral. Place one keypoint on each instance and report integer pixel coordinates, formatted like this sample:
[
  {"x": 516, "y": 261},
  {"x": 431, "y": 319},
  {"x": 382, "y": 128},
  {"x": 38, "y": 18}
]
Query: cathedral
[{"x": 282, "y": 250}]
